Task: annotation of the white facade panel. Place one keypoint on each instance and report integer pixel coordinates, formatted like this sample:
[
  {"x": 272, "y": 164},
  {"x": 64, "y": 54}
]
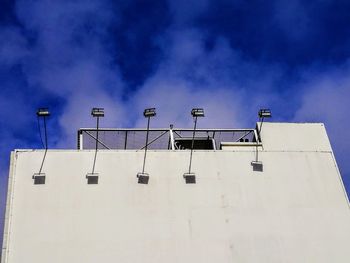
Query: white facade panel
[{"x": 295, "y": 137}]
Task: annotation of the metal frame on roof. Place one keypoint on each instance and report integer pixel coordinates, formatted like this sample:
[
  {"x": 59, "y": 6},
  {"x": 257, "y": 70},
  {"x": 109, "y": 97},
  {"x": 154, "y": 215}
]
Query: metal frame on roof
[{"x": 233, "y": 135}]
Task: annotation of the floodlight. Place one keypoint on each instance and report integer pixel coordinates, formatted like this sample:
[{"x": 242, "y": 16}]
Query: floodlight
[
  {"x": 98, "y": 112},
  {"x": 197, "y": 112},
  {"x": 264, "y": 113},
  {"x": 43, "y": 112},
  {"x": 151, "y": 112}
]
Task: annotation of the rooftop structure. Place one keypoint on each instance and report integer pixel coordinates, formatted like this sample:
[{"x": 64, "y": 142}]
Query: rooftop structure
[
  {"x": 164, "y": 139},
  {"x": 269, "y": 196}
]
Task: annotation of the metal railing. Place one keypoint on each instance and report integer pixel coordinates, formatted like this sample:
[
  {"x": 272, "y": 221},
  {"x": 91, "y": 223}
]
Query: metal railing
[{"x": 159, "y": 139}]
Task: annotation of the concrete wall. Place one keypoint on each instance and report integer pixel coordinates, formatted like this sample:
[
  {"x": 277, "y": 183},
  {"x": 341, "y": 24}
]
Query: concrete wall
[{"x": 296, "y": 210}]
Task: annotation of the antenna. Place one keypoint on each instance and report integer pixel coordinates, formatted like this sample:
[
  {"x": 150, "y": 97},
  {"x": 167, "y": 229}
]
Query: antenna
[
  {"x": 144, "y": 177},
  {"x": 262, "y": 114},
  {"x": 39, "y": 178},
  {"x": 190, "y": 178},
  {"x": 96, "y": 113}
]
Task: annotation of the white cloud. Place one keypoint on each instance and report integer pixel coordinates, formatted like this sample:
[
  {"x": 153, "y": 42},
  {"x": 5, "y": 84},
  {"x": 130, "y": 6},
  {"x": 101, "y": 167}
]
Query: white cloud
[
  {"x": 70, "y": 60},
  {"x": 174, "y": 100},
  {"x": 326, "y": 99},
  {"x": 229, "y": 88}
]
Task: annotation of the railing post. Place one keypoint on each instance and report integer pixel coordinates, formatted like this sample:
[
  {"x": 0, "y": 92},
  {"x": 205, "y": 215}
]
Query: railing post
[{"x": 172, "y": 141}]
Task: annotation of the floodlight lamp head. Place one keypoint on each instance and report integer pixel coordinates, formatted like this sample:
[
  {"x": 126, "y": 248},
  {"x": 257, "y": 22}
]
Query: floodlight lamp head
[
  {"x": 98, "y": 112},
  {"x": 150, "y": 112},
  {"x": 43, "y": 112},
  {"x": 197, "y": 112},
  {"x": 265, "y": 113}
]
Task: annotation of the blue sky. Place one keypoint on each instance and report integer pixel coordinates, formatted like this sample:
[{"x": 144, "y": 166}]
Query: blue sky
[{"x": 230, "y": 57}]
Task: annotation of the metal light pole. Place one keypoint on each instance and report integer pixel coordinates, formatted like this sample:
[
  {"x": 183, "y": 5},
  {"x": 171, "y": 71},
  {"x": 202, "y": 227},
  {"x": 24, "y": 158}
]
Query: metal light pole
[
  {"x": 43, "y": 112},
  {"x": 191, "y": 177},
  {"x": 40, "y": 177},
  {"x": 192, "y": 144},
  {"x": 143, "y": 177},
  {"x": 263, "y": 113},
  {"x": 96, "y": 113}
]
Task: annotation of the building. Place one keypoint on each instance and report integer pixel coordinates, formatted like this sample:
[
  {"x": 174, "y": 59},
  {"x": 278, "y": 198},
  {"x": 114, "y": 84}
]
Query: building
[{"x": 277, "y": 198}]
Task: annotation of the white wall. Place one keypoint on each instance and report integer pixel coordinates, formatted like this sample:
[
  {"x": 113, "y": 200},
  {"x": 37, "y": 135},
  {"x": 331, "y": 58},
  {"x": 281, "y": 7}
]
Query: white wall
[{"x": 296, "y": 210}]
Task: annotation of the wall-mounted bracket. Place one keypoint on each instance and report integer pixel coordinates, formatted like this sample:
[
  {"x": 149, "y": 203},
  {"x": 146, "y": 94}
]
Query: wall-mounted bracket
[
  {"x": 39, "y": 178},
  {"x": 92, "y": 178},
  {"x": 190, "y": 178},
  {"x": 257, "y": 166},
  {"x": 143, "y": 178}
]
